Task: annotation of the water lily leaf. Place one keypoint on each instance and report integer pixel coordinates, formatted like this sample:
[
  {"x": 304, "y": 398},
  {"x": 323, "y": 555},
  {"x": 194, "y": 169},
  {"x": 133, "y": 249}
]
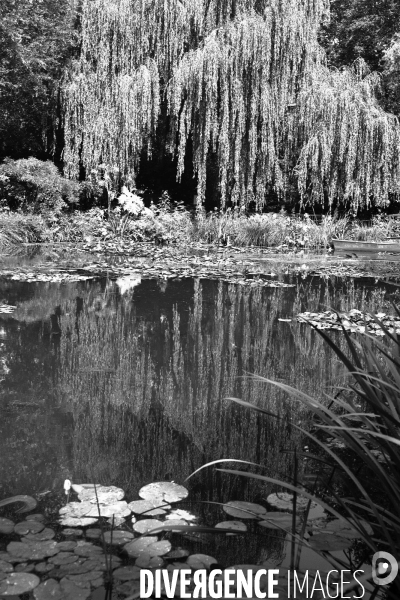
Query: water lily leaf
[
  {"x": 178, "y": 522},
  {"x": 87, "y": 549},
  {"x": 327, "y": 542},
  {"x": 201, "y": 561},
  {"x": 74, "y": 591},
  {"x": 34, "y": 550},
  {"x": 77, "y": 522},
  {"x": 234, "y": 525},
  {"x": 244, "y": 510},
  {"x": 93, "y": 534},
  {"x": 29, "y": 502},
  {"x": 42, "y": 536},
  {"x": 284, "y": 501},
  {"x": 163, "y": 491},
  {"x": 118, "y": 538},
  {"x": 178, "y": 513},
  {"x": 6, "y": 526},
  {"x": 159, "y": 548},
  {"x": 5, "y": 567},
  {"x": 146, "y": 525},
  {"x": 48, "y": 590},
  {"x": 63, "y": 558},
  {"x": 136, "y": 547},
  {"x": 25, "y": 527},
  {"x": 127, "y": 573},
  {"x": 345, "y": 529},
  {"x": 105, "y": 494},
  {"x": 178, "y": 553},
  {"x": 146, "y": 507},
  {"x": 276, "y": 520},
  {"x": 18, "y": 583}
]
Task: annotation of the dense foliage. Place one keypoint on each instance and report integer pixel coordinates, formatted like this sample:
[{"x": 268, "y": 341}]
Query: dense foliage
[
  {"x": 236, "y": 92},
  {"x": 36, "y": 39}
]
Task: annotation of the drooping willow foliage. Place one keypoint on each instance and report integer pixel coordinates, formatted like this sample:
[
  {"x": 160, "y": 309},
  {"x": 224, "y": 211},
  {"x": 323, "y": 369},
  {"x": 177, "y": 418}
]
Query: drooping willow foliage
[{"x": 245, "y": 84}]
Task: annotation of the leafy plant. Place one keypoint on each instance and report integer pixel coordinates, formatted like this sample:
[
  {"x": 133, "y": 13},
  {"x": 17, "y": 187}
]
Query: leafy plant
[{"x": 35, "y": 186}]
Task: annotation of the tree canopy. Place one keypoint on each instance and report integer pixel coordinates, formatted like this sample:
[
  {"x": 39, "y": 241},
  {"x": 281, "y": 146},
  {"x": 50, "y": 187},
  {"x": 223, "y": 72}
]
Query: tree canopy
[
  {"x": 262, "y": 95},
  {"x": 243, "y": 80}
]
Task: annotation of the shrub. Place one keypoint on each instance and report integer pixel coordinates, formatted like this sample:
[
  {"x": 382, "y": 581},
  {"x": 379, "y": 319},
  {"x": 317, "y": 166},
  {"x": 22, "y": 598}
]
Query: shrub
[{"x": 35, "y": 186}]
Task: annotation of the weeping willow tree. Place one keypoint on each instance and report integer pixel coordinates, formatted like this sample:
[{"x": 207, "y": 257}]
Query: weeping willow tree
[{"x": 243, "y": 82}]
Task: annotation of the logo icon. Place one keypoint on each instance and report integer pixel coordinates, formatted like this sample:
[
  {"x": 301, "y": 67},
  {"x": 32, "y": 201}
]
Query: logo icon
[{"x": 384, "y": 568}]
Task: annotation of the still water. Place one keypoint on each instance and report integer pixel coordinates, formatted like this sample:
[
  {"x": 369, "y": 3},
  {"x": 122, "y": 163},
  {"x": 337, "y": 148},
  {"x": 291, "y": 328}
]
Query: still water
[{"x": 128, "y": 382}]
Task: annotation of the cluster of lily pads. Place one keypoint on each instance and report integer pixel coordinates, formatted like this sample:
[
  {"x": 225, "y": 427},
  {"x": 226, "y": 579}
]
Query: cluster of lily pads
[
  {"x": 76, "y": 567},
  {"x": 354, "y": 321}
]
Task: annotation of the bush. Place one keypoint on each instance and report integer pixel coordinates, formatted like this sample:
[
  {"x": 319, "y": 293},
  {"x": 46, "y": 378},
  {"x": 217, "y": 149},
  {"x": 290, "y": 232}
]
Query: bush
[{"x": 34, "y": 186}]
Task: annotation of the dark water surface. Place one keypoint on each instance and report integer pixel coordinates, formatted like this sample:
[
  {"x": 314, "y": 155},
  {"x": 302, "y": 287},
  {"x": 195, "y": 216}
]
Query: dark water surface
[{"x": 127, "y": 382}]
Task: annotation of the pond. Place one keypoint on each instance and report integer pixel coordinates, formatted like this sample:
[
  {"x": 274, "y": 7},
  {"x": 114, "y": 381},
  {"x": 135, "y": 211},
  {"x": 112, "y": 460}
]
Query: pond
[{"x": 128, "y": 381}]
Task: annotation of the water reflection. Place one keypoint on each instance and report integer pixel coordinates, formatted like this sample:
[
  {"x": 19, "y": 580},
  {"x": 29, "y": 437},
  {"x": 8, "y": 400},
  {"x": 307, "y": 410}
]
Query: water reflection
[{"x": 128, "y": 384}]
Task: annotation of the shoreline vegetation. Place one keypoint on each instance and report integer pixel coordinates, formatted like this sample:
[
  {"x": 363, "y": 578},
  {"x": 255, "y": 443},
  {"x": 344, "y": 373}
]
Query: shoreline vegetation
[{"x": 168, "y": 224}]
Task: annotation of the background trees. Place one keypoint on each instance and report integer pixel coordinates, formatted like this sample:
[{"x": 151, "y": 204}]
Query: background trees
[
  {"x": 236, "y": 93},
  {"x": 36, "y": 40}
]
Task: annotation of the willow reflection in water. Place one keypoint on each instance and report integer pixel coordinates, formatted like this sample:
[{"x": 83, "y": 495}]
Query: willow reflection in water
[{"x": 148, "y": 376}]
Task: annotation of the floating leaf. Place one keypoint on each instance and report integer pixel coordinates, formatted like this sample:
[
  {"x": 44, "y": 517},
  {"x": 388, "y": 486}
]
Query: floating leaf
[
  {"x": 146, "y": 525},
  {"x": 276, "y": 520},
  {"x": 26, "y": 527},
  {"x": 77, "y": 522},
  {"x": 140, "y": 545},
  {"x": 201, "y": 561},
  {"x": 101, "y": 494},
  {"x": 163, "y": 492},
  {"x": 6, "y": 526},
  {"x": 48, "y": 590},
  {"x": 127, "y": 573},
  {"x": 30, "y": 503},
  {"x": 34, "y": 550},
  {"x": 146, "y": 507},
  {"x": 244, "y": 510},
  {"x": 234, "y": 525},
  {"x": 118, "y": 538},
  {"x": 18, "y": 583},
  {"x": 178, "y": 513},
  {"x": 284, "y": 501}
]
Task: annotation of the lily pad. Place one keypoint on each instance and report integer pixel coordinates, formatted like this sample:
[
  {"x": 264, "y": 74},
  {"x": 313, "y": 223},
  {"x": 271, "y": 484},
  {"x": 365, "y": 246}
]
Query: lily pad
[
  {"x": 74, "y": 591},
  {"x": 5, "y": 567},
  {"x": 179, "y": 513},
  {"x": 29, "y": 503},
  {"x": 146, "y": 525},
  {"x": 118, "y": 538},
  {"x": 102, "y": 494},
  {"x": 244, "y": 510},
  {"x": 345, "y": 529},
  {"x": 163, "y": 492},
  {"x": 87, "y": 549},
  {"x": 42, "y": 536},
  {"x": 63, "y": 558},
  {"x": 276, "y": 520},
  {"x": 136, "y": 547},
  {"x": 284, "y": 501},
  {"x": 140, "y": 507},
  {"x": 201, "y": 561},
  {"x": 327, "y": 542},
  {"x": 18, "y": 583},
  {"x": 127, "y": 573},
  {"x": 34, "y": 550},
  {"x": 25, "y": 527},
  {"x": 48, "y": 590},
  {"x": 234, "y": 525},
  {"x": 77, "y": 522},
  {"x": 93, "y": 534},
  {"x": 6, "y": 526}
]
